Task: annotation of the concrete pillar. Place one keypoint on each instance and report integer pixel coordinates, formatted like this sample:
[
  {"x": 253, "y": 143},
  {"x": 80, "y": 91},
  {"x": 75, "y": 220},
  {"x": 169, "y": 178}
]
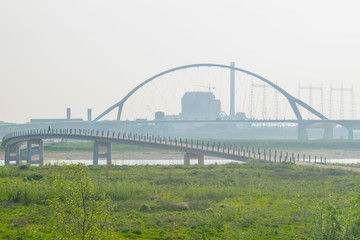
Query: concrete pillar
[
  {"x": 188, "y": 156},
  {"x": 108, "y": 154},
  {"x": 28, "y": 151},
  {"x": 201, "y": 159},
  {"x": 186, "y": 159},
  {"x": 12, "y": 155},
  {"x": 328, "y": 133},
  {"x": 18, "y": 156},
  {"x": 41, "y": 153},
  {"x": 350, "y": 134},
  {"x": 7, "y": 155},
  {"x": 97, "y": 154},
  {"x": 302, "y": 133}
]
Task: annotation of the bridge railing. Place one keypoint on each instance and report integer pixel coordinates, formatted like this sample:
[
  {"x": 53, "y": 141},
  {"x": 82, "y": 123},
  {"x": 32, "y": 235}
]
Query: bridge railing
[
  {"x": 210, "y": 146},
  {"x": 186, "y": 143}
]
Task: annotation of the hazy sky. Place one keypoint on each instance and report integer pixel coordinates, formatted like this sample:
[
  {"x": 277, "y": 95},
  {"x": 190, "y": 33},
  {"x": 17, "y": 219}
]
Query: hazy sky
[{"x": 89, "y": 54}]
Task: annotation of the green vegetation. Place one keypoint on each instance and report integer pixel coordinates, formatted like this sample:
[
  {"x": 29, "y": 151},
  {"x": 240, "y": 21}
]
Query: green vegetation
[
  {"x": 233, "y": 201},
  {"x": 78, "y": 212}
]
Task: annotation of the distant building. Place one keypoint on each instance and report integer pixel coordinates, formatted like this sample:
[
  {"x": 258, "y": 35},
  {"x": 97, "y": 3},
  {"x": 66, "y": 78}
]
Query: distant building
[
  {"x": 200, "y": 106},
  {"x": 159, "y": 116}
]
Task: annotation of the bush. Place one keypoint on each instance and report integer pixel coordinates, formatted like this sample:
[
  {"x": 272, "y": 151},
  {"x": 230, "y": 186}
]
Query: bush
[
  {"x": 144, "y": 207},
  {"x": 34, "y": 176}
]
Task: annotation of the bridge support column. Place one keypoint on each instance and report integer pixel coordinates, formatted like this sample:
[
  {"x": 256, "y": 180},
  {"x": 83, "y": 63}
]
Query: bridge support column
[
  {"x": 302, "y": 133},
  {"x": 350, "y": 133},
  {"x": 30, "y": 152},
  {"x": 12, "y": 155},
  {"x": 41, "y": 153},
  {"x": 106, "y": 154},
  {"x": 7, "y": 155},
  {"x": 201, "y": 159},
  {"x": 18, "y": 156},
  {"x": 188, "y": 156},
  {"x": 328, "y": 133}
]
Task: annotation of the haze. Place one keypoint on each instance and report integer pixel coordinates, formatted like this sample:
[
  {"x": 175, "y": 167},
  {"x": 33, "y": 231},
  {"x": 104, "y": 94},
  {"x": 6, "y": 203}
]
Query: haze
[{"x": 89, "y": 54}]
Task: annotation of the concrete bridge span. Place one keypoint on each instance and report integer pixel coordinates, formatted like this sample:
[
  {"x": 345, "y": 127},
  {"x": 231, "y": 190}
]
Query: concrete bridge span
[{"x": 32, "y": 141}]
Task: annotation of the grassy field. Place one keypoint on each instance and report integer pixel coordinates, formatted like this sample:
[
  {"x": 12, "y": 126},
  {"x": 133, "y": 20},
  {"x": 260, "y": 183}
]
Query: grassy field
[{"x": 234, "y": 201}]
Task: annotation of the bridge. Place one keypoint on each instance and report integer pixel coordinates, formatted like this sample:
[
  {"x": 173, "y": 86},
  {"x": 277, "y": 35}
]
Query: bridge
[
  {"x": 303, "y": 125},
  {"x": 33, "y": 142},
  {"x": 295, "y": 103}
]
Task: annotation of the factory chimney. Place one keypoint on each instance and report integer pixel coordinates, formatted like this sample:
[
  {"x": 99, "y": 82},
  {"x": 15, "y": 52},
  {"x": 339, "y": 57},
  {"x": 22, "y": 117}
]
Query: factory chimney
[
  {"x": 232, "y": 90},
  {"x": 89, "y": 114},
  {"x": 68, "y": 113}
]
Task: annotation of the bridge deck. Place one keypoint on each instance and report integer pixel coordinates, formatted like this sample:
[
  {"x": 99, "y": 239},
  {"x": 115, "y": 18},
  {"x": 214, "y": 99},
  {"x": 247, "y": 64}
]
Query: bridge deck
[{"x": 191, "y": 148}]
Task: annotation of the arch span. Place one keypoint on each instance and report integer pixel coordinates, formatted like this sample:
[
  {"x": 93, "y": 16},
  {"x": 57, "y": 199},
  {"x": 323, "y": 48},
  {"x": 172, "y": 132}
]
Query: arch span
[{"x": 292, "y": 100}]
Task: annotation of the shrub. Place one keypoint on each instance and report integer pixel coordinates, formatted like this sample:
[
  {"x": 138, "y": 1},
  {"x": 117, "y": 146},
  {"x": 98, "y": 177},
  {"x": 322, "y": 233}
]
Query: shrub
[{"x": 144, "y": 207}]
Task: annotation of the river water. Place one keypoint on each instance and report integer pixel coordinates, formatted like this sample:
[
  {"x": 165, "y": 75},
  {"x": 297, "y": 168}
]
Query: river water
[
  {"x": 167, "y": 162},
  {"x": 136, "y": 162}
]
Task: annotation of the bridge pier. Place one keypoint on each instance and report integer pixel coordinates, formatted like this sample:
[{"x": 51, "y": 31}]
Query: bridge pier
[
  {"x": 30, "y": 152},
  {"x": 302, "y": 133},
  {"x": 97, "y": 154},
  {"x": 350, "y": 133},
  {"x": 12, "y": 155},
  {"x": 188, "y": 156},
  {"x": 328, "y": 133}
]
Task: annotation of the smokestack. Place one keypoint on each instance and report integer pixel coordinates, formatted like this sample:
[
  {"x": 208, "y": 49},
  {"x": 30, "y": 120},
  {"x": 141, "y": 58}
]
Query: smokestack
[
  {"x": 68, "y": 113},
  {"x": 89, "y": 114},
  {"x": 232, "y": 90}
]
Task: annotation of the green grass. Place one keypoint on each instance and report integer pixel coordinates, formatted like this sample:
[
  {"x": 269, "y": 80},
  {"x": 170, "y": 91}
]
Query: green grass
[{"x": 233, "y": 201}]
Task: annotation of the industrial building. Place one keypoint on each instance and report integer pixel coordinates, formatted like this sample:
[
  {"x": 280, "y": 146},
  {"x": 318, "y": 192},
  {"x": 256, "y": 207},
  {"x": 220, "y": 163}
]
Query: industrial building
[{"x": 200, "y": 106}]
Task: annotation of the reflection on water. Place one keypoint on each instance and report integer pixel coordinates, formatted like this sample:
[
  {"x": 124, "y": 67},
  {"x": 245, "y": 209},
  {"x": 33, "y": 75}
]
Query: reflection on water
[
  {"x": 168, "y": 162},
  {"x": 343, "y": 161}
]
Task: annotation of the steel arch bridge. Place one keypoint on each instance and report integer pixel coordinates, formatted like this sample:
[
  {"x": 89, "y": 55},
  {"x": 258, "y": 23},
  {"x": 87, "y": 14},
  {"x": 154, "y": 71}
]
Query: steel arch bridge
[{"x": 294, "y": 102}]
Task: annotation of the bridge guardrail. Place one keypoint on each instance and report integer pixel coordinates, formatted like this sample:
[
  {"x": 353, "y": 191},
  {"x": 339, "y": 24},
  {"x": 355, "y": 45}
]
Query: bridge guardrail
[{"x": 187, "y": 144}]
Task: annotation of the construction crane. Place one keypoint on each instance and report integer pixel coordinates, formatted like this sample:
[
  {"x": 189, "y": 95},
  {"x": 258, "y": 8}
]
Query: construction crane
[{"x": 208, "y": 87}]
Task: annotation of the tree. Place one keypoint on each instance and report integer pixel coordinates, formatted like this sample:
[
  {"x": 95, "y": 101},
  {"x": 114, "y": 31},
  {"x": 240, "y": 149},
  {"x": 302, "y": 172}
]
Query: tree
[{"x": 78, "y": 212}]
